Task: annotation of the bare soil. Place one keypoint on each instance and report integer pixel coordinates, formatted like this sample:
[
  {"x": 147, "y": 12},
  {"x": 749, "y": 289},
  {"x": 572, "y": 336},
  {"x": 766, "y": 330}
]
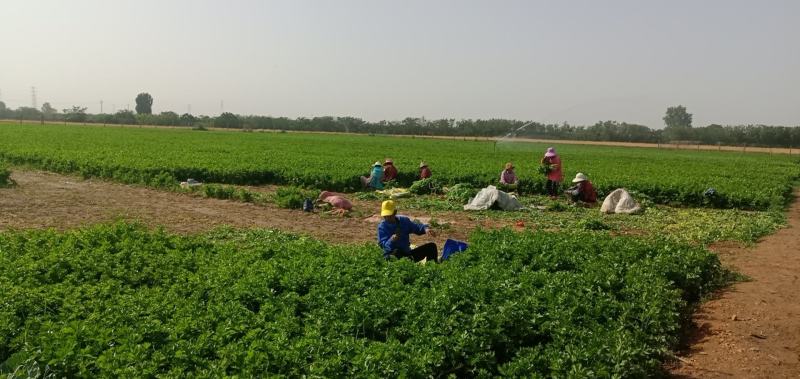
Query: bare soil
[
  {"x": 48, "y": 200},
  {"x": 751, "y": 329}
]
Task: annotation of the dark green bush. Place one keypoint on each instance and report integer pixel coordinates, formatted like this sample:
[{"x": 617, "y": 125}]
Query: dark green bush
[{"x": 5, "y": 175}]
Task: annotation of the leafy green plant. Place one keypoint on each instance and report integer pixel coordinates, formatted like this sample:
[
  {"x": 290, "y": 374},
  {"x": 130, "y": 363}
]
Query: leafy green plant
[
  {"x": 426, "y": 186},
  {"x": 461, "y": 193},
  {"x": 5, "y": 176},
  {"x": 293, "y": 197},
  {"x": 122, "y": 301},
  {"x": 592, "y": 224}
]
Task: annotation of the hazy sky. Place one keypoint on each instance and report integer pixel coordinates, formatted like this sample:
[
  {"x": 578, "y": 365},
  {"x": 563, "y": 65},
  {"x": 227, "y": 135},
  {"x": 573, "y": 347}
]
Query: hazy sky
[{"x": 728, "y": 62}]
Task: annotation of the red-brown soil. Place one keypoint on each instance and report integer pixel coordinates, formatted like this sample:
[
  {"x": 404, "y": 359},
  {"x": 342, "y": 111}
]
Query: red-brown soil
[
  {"x": 48, "y": 200},
  {"x": 751, "y": 329}
]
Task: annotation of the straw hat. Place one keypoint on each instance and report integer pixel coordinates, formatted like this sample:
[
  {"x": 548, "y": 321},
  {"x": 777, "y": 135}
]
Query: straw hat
[
  {"x": 388, "y": 161},
  {"x": 509, "y": 166},
  {"x": 422, "y": 164},
  {"x": 377, "y": 163},
  {"x": 580, "y": 178},
  {"x": 551, "y": 152}
]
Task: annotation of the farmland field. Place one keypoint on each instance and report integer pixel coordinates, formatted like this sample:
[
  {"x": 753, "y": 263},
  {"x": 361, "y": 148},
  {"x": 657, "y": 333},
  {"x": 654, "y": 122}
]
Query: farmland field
[
  {"x": 334, "y": 162},
  {"x": 121, "y": 301},
  {"x": 573, "y": 294}
]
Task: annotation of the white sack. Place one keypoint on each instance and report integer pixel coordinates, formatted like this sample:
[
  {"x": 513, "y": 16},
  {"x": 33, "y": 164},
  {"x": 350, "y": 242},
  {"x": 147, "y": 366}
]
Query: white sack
[
  {"x": 620, "y": 201},
  {"x": 489, "y": 196}
]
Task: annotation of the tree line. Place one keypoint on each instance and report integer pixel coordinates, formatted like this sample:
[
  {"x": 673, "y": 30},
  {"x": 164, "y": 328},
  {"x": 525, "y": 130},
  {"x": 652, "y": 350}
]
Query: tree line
[{"x": 677, "y": 120}]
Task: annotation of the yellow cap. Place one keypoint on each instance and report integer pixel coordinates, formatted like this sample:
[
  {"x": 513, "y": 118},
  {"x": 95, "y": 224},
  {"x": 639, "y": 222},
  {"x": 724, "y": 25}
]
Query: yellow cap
[{"x": 388, "y": 208}]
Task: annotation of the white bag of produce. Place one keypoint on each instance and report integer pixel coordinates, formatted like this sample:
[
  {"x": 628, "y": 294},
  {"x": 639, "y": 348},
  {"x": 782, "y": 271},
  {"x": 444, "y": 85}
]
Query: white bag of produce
[
  {"x": 489, "y": 196},
  {"x": 620, "y": 201}
]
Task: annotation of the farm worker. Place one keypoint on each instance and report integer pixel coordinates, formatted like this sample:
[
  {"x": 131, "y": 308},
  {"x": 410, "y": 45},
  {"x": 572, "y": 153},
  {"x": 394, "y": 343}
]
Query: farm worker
[
  {"x": 508, "y": 177},
  {"x": 424, "y": 171},
  {"x": 336, "y": 200},
  {"x": 389, "y": 171},
  {"x": 374, "y": 179},
  {"x": 554, "y": 175},
  {"x": 583, "y": 190},
  {"x": 393, "y": 236}
]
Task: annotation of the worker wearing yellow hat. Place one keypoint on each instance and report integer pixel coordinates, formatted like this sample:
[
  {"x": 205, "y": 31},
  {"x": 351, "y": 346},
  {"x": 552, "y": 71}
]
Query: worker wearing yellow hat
[{"x": 393, "y": 236}]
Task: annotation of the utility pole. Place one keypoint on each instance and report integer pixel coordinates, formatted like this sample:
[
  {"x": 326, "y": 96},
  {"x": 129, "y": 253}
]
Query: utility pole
[
  {"x": 101, "y": 106},
  {"x": 33, "y": 97}
]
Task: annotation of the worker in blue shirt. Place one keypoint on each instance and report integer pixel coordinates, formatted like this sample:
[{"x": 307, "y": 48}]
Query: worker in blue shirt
[
  {"x": 375, "y": 178},
  {"x": 393, "y": 236}
]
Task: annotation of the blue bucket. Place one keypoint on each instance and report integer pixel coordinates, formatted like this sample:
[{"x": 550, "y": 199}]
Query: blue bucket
[{"x": 451, "y": 247}]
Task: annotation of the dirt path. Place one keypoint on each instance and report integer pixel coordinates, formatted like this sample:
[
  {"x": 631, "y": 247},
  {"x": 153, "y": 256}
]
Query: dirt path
[
  {"x": 752, "y": 329},
  {"x": 48, "y": 200}
]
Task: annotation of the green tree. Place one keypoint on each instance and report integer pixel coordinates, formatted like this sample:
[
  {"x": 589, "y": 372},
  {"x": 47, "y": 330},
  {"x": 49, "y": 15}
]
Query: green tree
[
  {"x": 187, "y": 119},
  {"x": 125, "y": 117},
  {"x": 74, "y": 114},
  {"x": 227, "y": 120},
  {"x": 169, "y": 118},
  {"x": 677, "y": 117},
  {"x": 48, "y": 110},
  {"x": 28, "y": 113},
  {"x": 144, "y": 103},
  {"x": 679, "y": 124}
]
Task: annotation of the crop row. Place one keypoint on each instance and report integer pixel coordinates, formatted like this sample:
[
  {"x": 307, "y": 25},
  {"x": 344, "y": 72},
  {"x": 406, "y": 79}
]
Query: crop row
[
  {"x": 334, "y": 162},
  {"x": 121, "y": 301}
]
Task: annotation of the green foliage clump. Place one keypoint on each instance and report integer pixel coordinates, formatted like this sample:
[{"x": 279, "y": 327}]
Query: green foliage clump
[
  {"x": 5, "y": 175},
  {"x": 426, "y": 186},
  {"x": 592, "y": 224},
  {"x": 293, "y": 197},
  {"x": 122, "y": 301},
  {"x": 461, "y": 193}
]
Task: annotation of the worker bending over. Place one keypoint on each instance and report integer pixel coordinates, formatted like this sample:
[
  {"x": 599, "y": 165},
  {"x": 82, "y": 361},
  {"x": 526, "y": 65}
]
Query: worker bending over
[{"x": 583, "y": 191}]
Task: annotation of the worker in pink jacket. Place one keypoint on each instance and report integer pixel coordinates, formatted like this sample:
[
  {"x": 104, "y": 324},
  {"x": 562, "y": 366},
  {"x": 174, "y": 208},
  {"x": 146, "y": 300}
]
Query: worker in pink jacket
[
  {"x": 554, "y": 174},
  {"x": 508, "y": 179}
]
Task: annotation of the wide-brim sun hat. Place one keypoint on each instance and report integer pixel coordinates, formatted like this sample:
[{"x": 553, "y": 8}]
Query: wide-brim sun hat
[
  {"x": 580, "y": 178},
  {"x": 509, "y": 166},
  {"x": 377, "y": 164},
  {"x": 422, "y": 164},
  {"x": 388, "y": 161},
  {"x": 551, "y": 152},
  {"x": 388, "y": 208}
]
